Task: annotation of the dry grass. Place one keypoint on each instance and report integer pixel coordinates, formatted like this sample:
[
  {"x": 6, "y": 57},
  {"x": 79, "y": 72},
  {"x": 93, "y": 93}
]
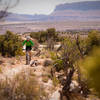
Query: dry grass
[
  {"x": 23, "y": 87},
  {"x": 55, "y": 81}
]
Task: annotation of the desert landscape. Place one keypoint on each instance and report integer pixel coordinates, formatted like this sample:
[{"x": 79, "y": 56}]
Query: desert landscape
[
  {"x": 50, "y": 57},
  {"x": 25, "y": 27}
]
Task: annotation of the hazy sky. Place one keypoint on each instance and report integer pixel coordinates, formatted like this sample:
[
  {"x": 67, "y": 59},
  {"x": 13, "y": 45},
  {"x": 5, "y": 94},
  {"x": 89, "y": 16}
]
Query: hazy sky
[{"x": 39, "y": 6}]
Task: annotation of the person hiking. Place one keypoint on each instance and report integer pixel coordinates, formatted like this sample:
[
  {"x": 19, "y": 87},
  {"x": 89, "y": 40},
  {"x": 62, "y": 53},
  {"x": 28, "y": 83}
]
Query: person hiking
[{"x": 29, "y": 45}]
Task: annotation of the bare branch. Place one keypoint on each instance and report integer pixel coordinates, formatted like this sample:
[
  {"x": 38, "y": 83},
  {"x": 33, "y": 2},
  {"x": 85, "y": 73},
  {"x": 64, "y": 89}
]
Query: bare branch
[
  {"x": 5, "y": 5},
  {"x": 78, "y": 45}
]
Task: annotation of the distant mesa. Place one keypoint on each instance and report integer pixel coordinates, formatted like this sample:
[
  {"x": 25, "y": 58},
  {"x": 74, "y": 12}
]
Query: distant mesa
[{"x": 83, "y": 6}]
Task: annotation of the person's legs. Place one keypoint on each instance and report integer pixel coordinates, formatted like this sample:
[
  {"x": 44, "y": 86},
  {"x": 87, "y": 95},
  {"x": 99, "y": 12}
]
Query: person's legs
[
  {"x": 26, "y": 57},
  {"x": 28, "y": 49},
  {"x": 30, "y": 54}
]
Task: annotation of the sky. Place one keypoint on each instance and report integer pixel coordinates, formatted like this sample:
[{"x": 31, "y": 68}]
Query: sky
[{"x": 39, "y": 6}]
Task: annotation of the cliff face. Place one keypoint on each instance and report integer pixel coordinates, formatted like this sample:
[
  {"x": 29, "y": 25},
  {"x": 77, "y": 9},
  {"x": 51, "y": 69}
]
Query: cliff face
[
  {"x": 83, "y": 6},
  {"x": 89, "y": 10}
]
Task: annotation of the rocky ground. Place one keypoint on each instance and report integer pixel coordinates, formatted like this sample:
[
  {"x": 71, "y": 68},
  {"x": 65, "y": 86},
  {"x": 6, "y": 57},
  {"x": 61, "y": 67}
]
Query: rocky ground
[{"x": 10, "y": 67}]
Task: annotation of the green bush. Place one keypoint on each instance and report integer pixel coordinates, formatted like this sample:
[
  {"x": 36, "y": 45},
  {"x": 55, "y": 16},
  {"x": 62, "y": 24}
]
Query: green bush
[
  {"x": 57, "y": 61},
  {"x": 90, "y": 68},
  {"x": 10, "y": 44},
  {"x": 51, "y": 33},
  {"x": 40, "y": 36},
  {"x": 67, "y": 56},
  {"x": 93, "y": 40},
  {"x": 35, "y": 35},
  {"x": 55, "y": 81},
  {"x": 43, "y": 36},
  {"x": 59, "y": 65},
  {"x": 47, "y": 63}
]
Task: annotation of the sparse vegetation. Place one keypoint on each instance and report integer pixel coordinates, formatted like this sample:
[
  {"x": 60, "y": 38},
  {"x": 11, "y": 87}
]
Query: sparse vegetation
[
  {"x": 72, "y": 50},
  {"x": 40, "y": 36},
  {"x": 92, "y": 41},
  {"x": 47, "y": 63},
  {"x": 10, "y": 44},
  {"x": 55, "y": 81},
  {"x": 90, "y": 68},
  {"x": 49, "y": 37},
  {"x": 58, "y": 67},
  {"x": 65, "y": 60},
  {"x": 43, "y": 36},
  {"x": 22, "y": 87}
]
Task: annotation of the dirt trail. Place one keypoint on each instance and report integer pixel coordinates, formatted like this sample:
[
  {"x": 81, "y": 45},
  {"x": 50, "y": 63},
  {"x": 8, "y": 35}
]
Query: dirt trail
[{"x": 11, "y": 72}]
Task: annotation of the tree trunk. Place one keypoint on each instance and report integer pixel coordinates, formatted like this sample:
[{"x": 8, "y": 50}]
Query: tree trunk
[{"x": 66, "y": 88}]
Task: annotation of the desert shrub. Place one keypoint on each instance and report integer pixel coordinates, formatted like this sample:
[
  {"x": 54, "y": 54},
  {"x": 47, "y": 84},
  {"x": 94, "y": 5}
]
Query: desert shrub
[
  {"x": 40, "y": 36},
  {"x": 72, "y": 49},
  {"x": 35, "y": 35},
  {"x": 93, "y": 40},
  {"x": 57, "y": 61},
  {"x": 51, "y": 38},
  {"x": 66, "y": 59},
  {"x": 67, "y": 56},
  {"x": 55, "y": 81},
  {"x": 47, "y": 63},
  {"x": 43, "y": 36},
  {"x": 59, "y": 64},
  {"x": 22, "y": 87},
  {"x": 51, "y": 32},
  {"x": 90, "y": 68},
  {"x": 10, "y": 44}
]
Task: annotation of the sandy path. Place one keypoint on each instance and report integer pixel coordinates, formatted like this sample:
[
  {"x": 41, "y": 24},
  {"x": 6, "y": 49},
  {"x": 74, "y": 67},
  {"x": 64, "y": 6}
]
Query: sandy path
[{"x": 11, "y": 72}]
